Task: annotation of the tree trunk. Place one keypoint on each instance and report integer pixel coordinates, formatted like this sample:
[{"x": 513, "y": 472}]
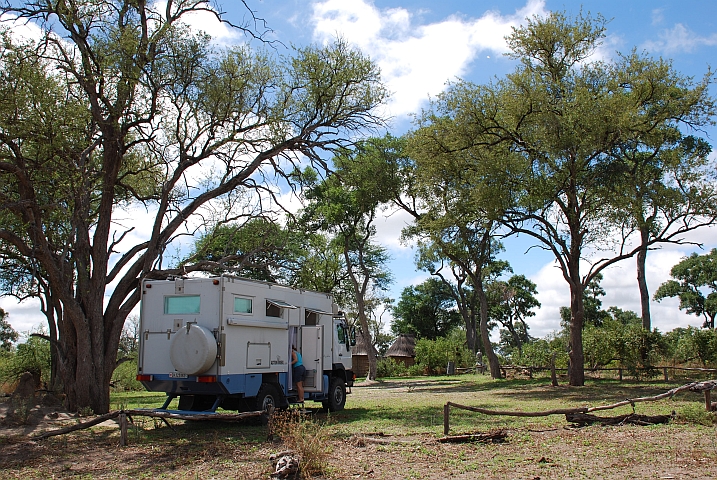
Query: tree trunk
[
  {"x": 493, "y": 361},
  {"x": 576, "y": 372},
  {"x": 642, "y": 281}
]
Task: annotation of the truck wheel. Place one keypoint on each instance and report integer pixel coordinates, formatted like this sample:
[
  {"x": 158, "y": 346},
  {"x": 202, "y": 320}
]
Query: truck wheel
[
  {"x": 268, "y": 398},
  {"x": 337, "y": 395}
]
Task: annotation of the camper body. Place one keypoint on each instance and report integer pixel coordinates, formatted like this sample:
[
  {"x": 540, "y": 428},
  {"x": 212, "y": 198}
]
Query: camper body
[{"x": 226, "y": 342}]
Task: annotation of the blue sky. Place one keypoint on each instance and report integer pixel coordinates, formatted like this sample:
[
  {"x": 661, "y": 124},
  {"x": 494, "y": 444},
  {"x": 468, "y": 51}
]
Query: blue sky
[{"x": 422, "y": 44}]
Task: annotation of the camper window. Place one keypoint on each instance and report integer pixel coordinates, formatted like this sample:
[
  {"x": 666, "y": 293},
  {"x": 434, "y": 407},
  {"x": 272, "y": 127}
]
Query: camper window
[
  {"x": 243, "y": 305},
  {"x": 273, "y": 310},
  {"x": 184, "y": 305}
]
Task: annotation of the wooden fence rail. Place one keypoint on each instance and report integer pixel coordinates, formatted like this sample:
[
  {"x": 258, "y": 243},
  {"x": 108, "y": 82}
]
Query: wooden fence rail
[
  {"x": 620, "y": 370},
  {"x": 705, "y": 387}
]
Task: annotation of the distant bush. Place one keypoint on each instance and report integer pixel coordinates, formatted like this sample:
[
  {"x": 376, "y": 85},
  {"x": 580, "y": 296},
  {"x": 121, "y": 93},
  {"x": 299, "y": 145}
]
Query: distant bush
[
  {"x": 434, "y": 355},
  {"x": 124, "y": 378},
  {"x": 32, "y": 356},
  {"x": 388, "y": 367}
]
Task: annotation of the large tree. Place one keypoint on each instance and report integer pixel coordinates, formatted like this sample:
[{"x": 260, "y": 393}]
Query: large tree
[
  {"x": 427, "y": 310},
  {"x": 695, "y": 284},
  {"x": 363, "y": 180},
  {"x": 456, "y": 209},
  {"x": 511, "y": 303},
  {"x": 551, "y": 129},
  {"x": 120, "y": 104},
  {"x": 8, "y": 335}
]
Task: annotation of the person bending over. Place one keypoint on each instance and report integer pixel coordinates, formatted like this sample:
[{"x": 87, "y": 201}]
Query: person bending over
[{"x": 299, "y": 372}]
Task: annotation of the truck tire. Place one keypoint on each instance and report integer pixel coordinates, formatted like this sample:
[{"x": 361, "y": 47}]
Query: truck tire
[
  {"x": 337, "y": 395},
  {"x": 268, "y": 398}
]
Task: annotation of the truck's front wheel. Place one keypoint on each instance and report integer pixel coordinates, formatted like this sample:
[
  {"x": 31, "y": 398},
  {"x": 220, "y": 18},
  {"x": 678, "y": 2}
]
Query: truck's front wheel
[{"x": 337, "y": 395}]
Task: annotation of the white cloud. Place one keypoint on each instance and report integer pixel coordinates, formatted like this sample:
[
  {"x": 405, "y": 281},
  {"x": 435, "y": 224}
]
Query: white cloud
[
  {"x": 658, "y": 16},
  {"x": 620, "y": 285},
  {"x": 679, "y": 38},
  {"x": 417, "y": 60},
  {"x": 25, "y": 316},
  {"x": 207, "y": 22}
]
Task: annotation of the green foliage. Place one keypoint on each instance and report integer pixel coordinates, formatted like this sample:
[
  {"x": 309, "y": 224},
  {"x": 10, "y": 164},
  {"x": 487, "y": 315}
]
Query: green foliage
[
  {"x": 124, "y": 378},
  {"x": 426, "y": 310},
  {"x": 388, "y": 367},
  {"x": 120, "y": 114},
  {"x": 434, "y": 355},
  {"x": 547, "y": 147},
  {"x": 685, "y": 345},
  {"x": 510, "y": 304},
  {"x": 592, "y": 305},
  {"x": 695, "y": 285},
  {"x": 8, "y": 335},
  {"x": 538, "y": 353},
  {"x": 31, "y": 356}
]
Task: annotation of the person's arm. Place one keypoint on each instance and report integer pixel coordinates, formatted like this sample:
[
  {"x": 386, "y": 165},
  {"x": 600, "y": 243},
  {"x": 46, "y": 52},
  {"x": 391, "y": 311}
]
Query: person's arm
[{"x": 293, "y": 357}]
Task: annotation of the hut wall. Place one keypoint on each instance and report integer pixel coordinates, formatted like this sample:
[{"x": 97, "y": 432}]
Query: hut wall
[{"x": 360, "y": 365}]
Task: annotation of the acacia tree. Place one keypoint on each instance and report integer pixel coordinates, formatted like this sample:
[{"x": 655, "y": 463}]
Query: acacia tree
[
  {"x": 345, "y": 205},
  {"x": 511, "y": 302},
  {"x": 456, "y": 213},
  {"x": 120, "y": 104},
  {"x": 551, "y": 129},
  {"x": 426, "y": 310},
  {"x": 695, "y": 284},
  {"x": 7, "y": 334},
  {"x": 469, "y": 255}
]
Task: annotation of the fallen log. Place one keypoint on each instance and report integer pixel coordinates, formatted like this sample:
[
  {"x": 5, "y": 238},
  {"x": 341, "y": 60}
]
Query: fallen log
[
  {"x": 544, "y": 413},
  {"x": 497, "y": 436},
  {"x": 583, "y": 419},
  {"x": 223, "y": 417},
  {"x": 78, "y": 426}
]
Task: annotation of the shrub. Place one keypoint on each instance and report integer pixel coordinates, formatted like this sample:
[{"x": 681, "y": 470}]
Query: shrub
[
  {"x": 305, "y": 437},
  {"x": 388, "y": 367},
  {"x": 434, "y": 355},
  {"x": 124, "y": 378},
  {"x": 695, "y": 414},
  {"x": 32, "y": 356}
]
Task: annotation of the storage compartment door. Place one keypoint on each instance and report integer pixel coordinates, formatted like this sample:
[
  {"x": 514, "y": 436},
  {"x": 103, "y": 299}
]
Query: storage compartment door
[{"x": 313, "y": 357}]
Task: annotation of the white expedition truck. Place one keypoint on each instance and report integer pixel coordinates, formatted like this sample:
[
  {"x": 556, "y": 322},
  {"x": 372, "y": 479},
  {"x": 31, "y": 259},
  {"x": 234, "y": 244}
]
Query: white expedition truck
[{"x": 226, "y": 342}]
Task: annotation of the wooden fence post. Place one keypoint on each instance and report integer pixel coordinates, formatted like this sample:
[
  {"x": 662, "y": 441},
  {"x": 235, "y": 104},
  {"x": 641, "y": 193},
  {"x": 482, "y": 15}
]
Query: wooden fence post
[
  {"x": 553, "y": 376},
  {"x": 619, "y": 372},
  {"x": 446, "y": 410},
  {"x": 123, "y": 429},
  {"x": 708, "y": 400},
  {"x": 664, "y": 371}
]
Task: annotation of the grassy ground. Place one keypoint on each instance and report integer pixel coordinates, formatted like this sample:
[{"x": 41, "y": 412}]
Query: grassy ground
[{"x": 390, "y": 430}]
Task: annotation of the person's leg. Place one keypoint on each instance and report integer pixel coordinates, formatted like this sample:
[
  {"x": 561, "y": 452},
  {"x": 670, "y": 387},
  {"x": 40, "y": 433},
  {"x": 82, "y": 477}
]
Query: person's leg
[{"x": 300, "y": 388}]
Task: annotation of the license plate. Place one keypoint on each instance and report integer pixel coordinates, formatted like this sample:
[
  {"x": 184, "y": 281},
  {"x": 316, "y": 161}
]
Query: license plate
[{"x": 177, "y": 375}]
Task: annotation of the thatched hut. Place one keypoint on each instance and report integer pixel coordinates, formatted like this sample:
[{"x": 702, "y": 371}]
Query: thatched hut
[
  {"x": 403, "y": 350},
  {"x": 359, "y": 355}
]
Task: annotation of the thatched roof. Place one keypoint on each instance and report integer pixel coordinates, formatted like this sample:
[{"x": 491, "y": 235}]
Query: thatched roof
[
  {"x": 360, "y": 348},
  {"x": 403, "y": 346}
]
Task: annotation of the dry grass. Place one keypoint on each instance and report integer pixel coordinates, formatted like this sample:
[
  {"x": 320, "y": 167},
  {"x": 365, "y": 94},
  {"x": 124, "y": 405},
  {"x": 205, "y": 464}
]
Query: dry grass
[
  {"x": 304, "y": 436},
  {"x": 389, "y": 430}
]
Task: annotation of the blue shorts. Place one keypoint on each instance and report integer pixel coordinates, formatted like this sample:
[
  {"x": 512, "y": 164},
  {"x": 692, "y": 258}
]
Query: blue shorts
[{"x": 299, "y": 373}]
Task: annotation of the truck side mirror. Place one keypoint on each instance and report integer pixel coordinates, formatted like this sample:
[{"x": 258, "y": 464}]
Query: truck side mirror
[{"x": 352, "y": 336}]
